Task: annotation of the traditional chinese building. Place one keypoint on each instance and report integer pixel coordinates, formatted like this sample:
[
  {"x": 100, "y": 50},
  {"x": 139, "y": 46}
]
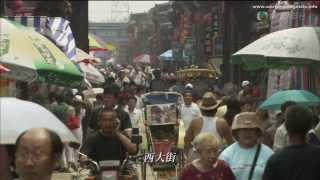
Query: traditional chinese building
[
  {"x": 115, "y": 34},
  {"x": 161, "y": 28},
  {"x": 139, "y": 32},
  {"x": 197, "y": 31}
]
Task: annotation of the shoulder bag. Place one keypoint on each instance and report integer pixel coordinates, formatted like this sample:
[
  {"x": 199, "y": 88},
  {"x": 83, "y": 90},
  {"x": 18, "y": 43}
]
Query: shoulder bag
[{"x": 254, "y": 162}]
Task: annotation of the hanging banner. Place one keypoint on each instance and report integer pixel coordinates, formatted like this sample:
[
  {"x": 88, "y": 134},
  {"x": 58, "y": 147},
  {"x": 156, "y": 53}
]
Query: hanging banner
[
  {"x": 215, "y": 21},
  {"x": 208, "y": 41},
  {"x": 217, "y": 43},
  {"x": 278, "y": 80}
]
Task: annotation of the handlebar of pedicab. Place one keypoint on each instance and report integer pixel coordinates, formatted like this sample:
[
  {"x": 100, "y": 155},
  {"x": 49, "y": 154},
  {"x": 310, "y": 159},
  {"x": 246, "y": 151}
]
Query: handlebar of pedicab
[
  {"x": 96, "y": 166},
  {"x": 136, "y": 138}
]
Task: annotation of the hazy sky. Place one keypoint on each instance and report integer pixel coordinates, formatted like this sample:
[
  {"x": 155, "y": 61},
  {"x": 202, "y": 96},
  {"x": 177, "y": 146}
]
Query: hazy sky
[{"x": 101, "y": 11}]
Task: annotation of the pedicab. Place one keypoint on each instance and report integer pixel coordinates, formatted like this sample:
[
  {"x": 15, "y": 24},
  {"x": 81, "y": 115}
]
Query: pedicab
[{"x": 163, "y": 136}]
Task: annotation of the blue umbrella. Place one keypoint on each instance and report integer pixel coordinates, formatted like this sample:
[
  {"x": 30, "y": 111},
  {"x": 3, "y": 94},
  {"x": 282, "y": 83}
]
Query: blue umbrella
[
  {"x": 166, "y": 56},
  {"x": 301, "y": 97}
]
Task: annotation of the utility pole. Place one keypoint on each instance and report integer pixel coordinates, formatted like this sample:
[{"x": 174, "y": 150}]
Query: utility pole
[
  {"x": 2, "y": 8},
  {"x": 79, "y": 23}
]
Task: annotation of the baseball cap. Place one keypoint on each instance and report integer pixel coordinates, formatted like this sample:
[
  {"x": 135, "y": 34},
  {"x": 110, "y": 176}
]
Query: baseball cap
[
  {"x": 189, "y": 85},
  {"x": 245, "y": 83}
]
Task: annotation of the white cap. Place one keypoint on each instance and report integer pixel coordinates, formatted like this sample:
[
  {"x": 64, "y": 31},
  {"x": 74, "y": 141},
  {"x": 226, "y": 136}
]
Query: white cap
[
  {"x": 277, "y": 112},
  {"x": 78, "y": 98},
  {"x": 74, "y": 91},
  {"x": 245, "y": 83},
  {"x": 189, "y": 85}
]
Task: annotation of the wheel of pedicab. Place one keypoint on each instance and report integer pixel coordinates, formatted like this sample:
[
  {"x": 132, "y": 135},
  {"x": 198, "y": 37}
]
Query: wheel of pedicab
[
  {"x": 144, "y": 171},
  {"x": 143, "y": 163},
  {"x": 181, "y": 161},
  {"x": 129, "y": 176}
]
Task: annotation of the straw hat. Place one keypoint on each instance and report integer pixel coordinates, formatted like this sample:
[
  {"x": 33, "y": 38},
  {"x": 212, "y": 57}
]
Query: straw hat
[
  {"x": 221, "y": 111},
  {"x": 246, "y": 120},
  {"x": 208, "y": 102}
]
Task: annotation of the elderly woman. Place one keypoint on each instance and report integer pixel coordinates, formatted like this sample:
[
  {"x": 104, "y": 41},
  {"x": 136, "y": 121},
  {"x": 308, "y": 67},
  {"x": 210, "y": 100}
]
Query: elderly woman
[
  {"x": 206, "y": 166},
  {"x": 247, "y": 157}
]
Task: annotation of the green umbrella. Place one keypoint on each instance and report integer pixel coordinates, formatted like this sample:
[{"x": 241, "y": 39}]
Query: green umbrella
[
  {"x": 281, "y": 49},
  {"x": 301, "y": 97},
  {"x": 31, "y": 56}
]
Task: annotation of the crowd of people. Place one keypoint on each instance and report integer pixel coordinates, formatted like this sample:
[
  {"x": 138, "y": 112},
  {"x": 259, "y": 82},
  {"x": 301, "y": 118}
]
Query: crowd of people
[
  {"x": 227, "y": 137},
  {"x": 233, "y": 139}
]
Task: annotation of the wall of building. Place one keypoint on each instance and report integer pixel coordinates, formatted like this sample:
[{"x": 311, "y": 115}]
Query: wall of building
[
  {"x": 80, "y": 23},
  {"x": 151, "y": 32},
  {"x": 117, "y": 35},
  {"x": 139, "y": 31}
]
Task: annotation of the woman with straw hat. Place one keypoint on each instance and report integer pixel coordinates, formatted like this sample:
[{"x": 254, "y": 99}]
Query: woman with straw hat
[{"x": 247, "y": 157}]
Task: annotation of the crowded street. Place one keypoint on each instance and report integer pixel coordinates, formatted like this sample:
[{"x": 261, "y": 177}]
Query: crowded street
[{"x": 159, "y": 90}]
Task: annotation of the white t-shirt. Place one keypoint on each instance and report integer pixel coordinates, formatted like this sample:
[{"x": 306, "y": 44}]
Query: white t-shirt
[
  {"x": 281, "y": 138},
  {"x": 135, "y": 117},
  {"x": 240, "y": 160},
  {"x": 139, "y": 78},
  {"x": 139, "y": 104},
  {"x": 189, "y": 113}
]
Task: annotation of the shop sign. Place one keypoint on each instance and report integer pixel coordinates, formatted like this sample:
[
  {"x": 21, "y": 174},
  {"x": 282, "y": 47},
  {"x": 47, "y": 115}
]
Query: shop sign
[{"x": 215, "y": 21}]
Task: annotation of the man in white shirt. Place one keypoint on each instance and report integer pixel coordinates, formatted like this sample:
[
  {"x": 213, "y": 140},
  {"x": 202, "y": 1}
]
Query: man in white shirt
[
  {"x": 281, "y": 138},
  {"x": 139, "y": 77},
  {"x": 135, "y": 114},
  {"x": 138, "y": 91},
  {"x": 190, "y": 110}
]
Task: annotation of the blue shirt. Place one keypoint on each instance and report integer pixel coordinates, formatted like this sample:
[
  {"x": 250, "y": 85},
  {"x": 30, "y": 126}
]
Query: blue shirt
[{"x": 240, "y": 160}]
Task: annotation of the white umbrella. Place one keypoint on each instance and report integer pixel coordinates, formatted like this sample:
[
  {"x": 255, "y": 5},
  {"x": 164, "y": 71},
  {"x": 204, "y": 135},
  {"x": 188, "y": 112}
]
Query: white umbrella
[
  {"x": 91, "y": 73},
  {"x": 143, "y": 58},
  {"x": 81, "y": 55},
  {"x": 91, "y": 93},
  {"x": 17, "y": 116},
  {"x": 281, "y": 49}
]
